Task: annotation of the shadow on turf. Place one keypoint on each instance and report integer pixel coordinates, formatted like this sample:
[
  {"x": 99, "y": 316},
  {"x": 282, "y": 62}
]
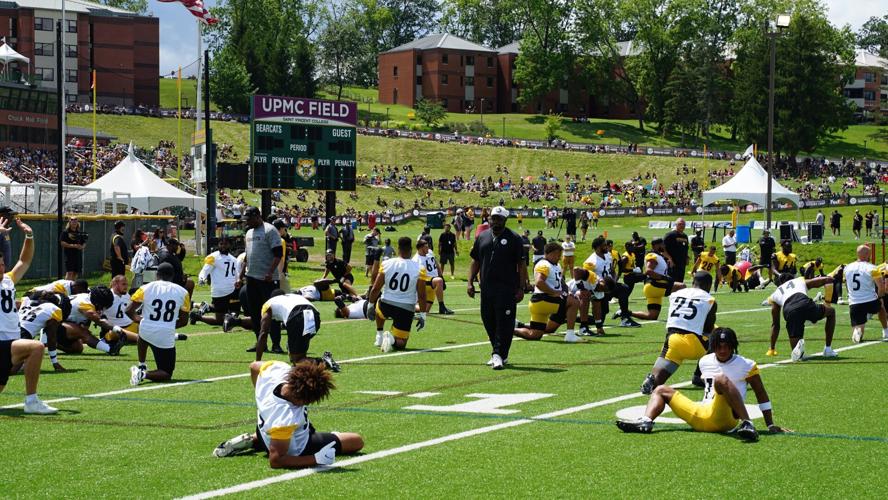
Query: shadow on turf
[{"x": 20, "y": 413}]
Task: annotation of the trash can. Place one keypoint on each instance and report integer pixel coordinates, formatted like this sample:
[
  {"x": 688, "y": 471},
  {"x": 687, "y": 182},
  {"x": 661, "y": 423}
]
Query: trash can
[
  {"x": 742, "y": 234},
  {"x": 435, "y": 220}
]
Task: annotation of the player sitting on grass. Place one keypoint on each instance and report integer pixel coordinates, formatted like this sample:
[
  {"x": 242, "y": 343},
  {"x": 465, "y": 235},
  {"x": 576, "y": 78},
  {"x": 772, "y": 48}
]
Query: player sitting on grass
[
  {"x": 45, "y": 312},
  {"x": 165, "y": 306},
  {"x": 792, "y": 296},
  {"x": 341, "y": 272},
  {"x": 658, "y": 283},
  {"x": 283, "y": 429},
  {"x": 691, "y": 318},
  {"x": 725, "y": 374},
  {"x": 399, "y": 286},
  {"x": 14, "y": 350},
  {"x": 87, "y": 308},
  {"x": 434, "y": 283},
  {"x": 222, "y": 269},
  {"x": 784, "y": 261},
  {"x": 550, "y": 305},
  {"x": 302, "y": 322}
]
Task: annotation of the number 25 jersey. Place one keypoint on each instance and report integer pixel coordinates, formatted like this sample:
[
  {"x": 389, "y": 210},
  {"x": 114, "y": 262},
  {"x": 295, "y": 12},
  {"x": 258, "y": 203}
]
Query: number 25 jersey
[
  {"x": 688, "y": 309},
  {"x": 161, "y": 302}
]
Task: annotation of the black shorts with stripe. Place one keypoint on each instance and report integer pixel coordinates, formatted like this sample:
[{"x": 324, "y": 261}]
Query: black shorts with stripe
[
  {"x": 402, "y": 319},
  {"x": 797, "y": 310},
  {"x": 297, "y": 340},
  {"x": 227, "y": 303}
]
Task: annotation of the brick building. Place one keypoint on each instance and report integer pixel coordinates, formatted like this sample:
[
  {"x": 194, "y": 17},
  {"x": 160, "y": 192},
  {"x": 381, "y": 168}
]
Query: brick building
[
  {"x": 869, "y": 89},
  {"x": 121, "y": 46}
]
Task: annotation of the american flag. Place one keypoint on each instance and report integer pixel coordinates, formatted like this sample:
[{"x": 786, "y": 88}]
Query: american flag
[{"x": 196, "y": 7}]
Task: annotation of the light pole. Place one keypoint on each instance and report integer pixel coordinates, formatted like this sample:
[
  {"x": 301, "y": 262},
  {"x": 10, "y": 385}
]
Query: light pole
[
  {"x": 782, "y": 22},
  {"x": 386, "y": 118},
  {"x": 504, "y": 127},
  {"x": 482, "y": 111},
  {"x": 864, "y": 149}
]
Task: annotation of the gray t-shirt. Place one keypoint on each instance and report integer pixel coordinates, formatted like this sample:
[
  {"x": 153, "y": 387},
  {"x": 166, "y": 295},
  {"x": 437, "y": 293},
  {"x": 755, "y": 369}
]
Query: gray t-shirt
[{"x": 260, "y": 241}]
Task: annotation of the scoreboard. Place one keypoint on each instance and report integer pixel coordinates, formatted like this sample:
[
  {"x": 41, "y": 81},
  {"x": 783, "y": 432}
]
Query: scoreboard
[{"x": 303, "y": 144}]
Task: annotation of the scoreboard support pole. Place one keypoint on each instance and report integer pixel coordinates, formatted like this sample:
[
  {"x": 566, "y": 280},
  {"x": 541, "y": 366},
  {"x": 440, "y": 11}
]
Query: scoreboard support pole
[
  {"x": 265, "y": 203},
  {"x": 330, "y": 205},
  {"x": 210, "y": 158}
]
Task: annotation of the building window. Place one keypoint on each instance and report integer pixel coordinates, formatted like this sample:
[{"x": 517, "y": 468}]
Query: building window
[
  {"x": 853, "y": 93},
  {"x": 489, "y": 81},
  {"x": 71, "y": 75},
  {"x": 444, "y": 102},
  {"x": 419, "y": 59},
  {"x": 395, "y": 70},
  {"x": 70, "y": 50},
  {"x": 489, "y": 62},
  {"x": 444, "y": 79},
  {"x": 42, "y": 24},
  {"x": 71, "y": 26},
  {"x": 419, "y": 80},
  {"x": 43, "y": 49},
  {"x": 13, "y": 27},
  {"x": 869, "y": 77},
  {"x": 470, "y": 60},
  {"x": 71, "y": 97},
  {"x": 44, "y": 74},
  {"x": 884, "y": 79},
  {"x": 443, "y": 58},
  {"x": 869, "y": 95},
  {"x": 395, "y": 96},
  {"x": 470, "y": 81}
]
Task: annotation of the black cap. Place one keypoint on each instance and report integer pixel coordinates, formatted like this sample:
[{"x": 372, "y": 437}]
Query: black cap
[
  {"x": 119, "y": 223},
  {"x": 172, "y": 241},
  {"x": 279, "y": 223},
  {"x": 7, "y": 210}
]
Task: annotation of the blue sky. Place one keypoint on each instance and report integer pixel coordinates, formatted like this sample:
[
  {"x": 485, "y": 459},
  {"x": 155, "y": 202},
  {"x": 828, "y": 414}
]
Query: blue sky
[{"x": 178, "y": 28}]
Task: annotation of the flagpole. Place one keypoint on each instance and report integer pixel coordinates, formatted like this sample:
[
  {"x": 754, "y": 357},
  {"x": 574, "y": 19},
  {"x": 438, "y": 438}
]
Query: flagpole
[
  {"x": 179, "y": 126},
  {"x": 198, "y": 227},
  {"x": 95, "y": 159},
  {"x": 199, "y": 77}
]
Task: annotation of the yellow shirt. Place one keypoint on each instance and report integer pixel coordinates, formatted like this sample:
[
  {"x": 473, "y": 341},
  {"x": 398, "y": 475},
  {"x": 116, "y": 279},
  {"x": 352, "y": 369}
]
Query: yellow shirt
[
  {"x": 785, "y": 262},
  {"x": 708, "y": 262},
  {"x": 629, "y": 263}
]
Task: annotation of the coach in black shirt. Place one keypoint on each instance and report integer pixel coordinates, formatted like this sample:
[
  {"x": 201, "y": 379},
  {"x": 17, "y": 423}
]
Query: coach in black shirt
[
  {"x": 539, "y": 243},
  {"x": 496, "y": 256},
  {"x": 676, "y": 243},
  {"x": 447, "y": 248}
]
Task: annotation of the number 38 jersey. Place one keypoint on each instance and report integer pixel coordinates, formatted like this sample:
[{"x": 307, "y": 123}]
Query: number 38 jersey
[
  {"x": 9, "y": 318},
  {"x": 161, "y": 302},
  {"x": 688, "y": 309},
  {"x": 399, "y": 281}
]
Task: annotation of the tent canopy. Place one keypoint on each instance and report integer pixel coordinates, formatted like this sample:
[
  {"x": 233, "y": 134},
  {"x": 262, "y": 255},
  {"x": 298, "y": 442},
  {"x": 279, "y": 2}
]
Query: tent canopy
[
  {"x": 750, "y": 184},
  {"x": 148, "y": 192},
  {"x": 8, "y": 55}
]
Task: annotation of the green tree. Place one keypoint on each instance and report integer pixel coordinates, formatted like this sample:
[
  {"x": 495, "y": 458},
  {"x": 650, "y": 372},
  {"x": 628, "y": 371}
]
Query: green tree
[
  {"x": 552, "y": 126},
  {"x": 873, "y": 35},
  {"x": 137, "y": 6},
  {"x": 429, "y": 112},
  {"x": 230, "y": 82},
  {"x": 684, "y": 107},
  {"x": 374, "y": 20},
  {"x": 493, "y": 23},
  {"x": 410, "y": 19},
  {"x": 340, "y": 55},
  {"x": 547, "y": 60}
]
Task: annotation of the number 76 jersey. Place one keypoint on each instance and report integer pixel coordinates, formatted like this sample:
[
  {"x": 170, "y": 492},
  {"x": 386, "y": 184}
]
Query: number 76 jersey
[
  {"x": 688, "y": 309},
  {"x": 161, "y": 302}
]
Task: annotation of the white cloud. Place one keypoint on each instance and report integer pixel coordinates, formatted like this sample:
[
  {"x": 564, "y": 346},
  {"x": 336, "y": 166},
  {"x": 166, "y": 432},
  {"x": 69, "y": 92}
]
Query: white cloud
[{"x": 854, "y": 12}]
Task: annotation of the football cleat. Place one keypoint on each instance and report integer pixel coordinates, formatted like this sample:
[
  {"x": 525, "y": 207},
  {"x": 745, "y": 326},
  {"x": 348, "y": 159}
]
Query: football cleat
[
  {"x": 228, "y": 322},
  {"x": 388, "y": 342},
  {"x": 444, "y": 310},
  {"x": 617, "y": 314},
  {"x": 496, "y": 362},
  {"x": 798, "y": 352},
  {"x": 181, "y": 336},
  {"x": 818, "y": 297},
  {"x": 378, "y": 341},
  {"x": 331, "y": 363},
  {"x": 38, "y": 407},
  {"x": 629, "y": 323},
  {"x": 234, "y": 445},
  {"x": 117, "y": 346},
  {"x": 571, "y": 337},
  {"x": 204, "y": 308},
  {"x": 137, "y": 375},
  {"x": 885, "y": 337},
  {"x": 490, "y": 361},
  {"x": 771, "y": 352},
  {"x": 649, "y": 384},
  {"x": 193, "y": 316},
  {"x": 829, "y": 352},
  {"x": 638, "y": 426},
  {"x": 857, "y": 335},
  {"x": 747, "y": 431},
  {"x": 276, "y": 349}
]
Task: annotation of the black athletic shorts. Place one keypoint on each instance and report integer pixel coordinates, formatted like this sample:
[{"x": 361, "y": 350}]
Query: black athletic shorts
[
  {"x": 227, "y": 304},
  {"x": 797, "y": 310},
  {"x": 62, "y": 340},
  {"x": 25, "y": 334},
  {"x": 297, "y": 341},
  {"x": 402, "y": 319},
  {"x": 316, "y": 441},
  {"x": 444, "y": 258},
  {"x": 5, "y": 360},
  {"x": 859, "y": 312},
  {"x": 165, "y": 359}
]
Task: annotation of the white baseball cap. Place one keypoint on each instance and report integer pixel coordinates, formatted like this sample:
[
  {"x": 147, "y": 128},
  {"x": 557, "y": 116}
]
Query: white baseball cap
[{"x": 502, "y": 212}]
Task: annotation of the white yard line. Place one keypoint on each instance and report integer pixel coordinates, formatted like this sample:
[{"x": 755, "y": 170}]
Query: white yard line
[{"x": 238, "y": 488}]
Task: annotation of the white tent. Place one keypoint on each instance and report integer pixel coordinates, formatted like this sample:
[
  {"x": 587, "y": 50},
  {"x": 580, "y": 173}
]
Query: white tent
[
  {"x": 7, "y": 55},
  {"x": 750, "y": 184},
  {"x": 147, "y": 192}
]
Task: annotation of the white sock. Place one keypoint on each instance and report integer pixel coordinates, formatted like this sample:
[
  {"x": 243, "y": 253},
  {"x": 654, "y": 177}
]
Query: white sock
[
  {"x": 31, "y": 398},
  {"x": 645, "y": 418},
  {"x": 103, "y": 346},
  {"x": 884, "y": 331},
  {"x": 54, "y": 356},
  {"x": 569, "y": 332}
]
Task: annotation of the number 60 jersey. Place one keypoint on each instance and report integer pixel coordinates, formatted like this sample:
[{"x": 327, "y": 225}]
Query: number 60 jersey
[
  {"x": 161, "y": 302},
  {"x": 688, "y": 309}
]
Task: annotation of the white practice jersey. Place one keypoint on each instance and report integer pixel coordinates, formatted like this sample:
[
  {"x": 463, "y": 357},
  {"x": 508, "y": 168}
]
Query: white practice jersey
[
  {"x": 787, "y": 290},
  {"x": 282, "y": 305},
  {"x": 688, "y": 309},
  {"x": 34, "y": 318},
  {"x": 661, "y": 267},
  {"x": 57, "y": 286},
  {"x": 361, "y": 309},
  {"x": 599, "y": 265},
  {"x": 738, "y": 369},
  {"x": 223, "y": 270},
  {"x": 80, "y": 305},
  {"x": 161, "y": 302},
  {"x": 9, "y": 318},
  {"x": 116, "y": 314},
  {"x": 279, "y": 419},
  {"x": 399, "y": 280},
  {"x": 310, "y": 292},
  {"x": 860, "y": 278},
  {"x": 429, "y": 262},
  {"x": 551, "y": 271}
]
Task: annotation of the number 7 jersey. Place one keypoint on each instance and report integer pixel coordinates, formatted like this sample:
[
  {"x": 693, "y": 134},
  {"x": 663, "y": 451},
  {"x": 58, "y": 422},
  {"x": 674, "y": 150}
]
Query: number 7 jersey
[
  {"x": 161, "y": 302},
  {"x": 688, "y": 309}
]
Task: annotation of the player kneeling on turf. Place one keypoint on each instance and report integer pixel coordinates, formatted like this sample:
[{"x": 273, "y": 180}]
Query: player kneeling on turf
[
  {"x": 725, "y": 374},
  {"x": 399, "y": 287},
  {"x": 550, "y": 305},
  {"x": 302, "y": 322},
  {"x": 283, "y": 430}
]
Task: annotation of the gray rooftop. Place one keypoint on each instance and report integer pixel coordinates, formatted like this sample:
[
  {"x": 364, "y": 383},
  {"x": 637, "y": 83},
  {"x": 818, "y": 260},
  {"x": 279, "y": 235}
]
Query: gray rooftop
[
  {"x": 440, "y": 41},
  {"x": 75, "y": 6}
]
